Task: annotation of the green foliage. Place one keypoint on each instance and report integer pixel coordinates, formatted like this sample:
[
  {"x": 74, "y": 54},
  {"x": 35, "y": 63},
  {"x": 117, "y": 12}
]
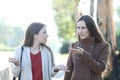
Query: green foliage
[
  {"x": 18, "y": 36},
  {"x": 6, "y": 48},
  {"x": 10, "y": 36},
  {"x": 118, "y": 41},
  {"x": 117, "y": 31},
  {"x": 64, "y": 48},
  {"x": 118, "y": 11},
  {"x": 64, "y": 17}
]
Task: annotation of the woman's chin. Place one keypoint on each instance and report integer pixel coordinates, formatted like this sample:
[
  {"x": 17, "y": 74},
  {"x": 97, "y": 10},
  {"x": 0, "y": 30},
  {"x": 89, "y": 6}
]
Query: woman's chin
[{"x": 82, "y": 38}]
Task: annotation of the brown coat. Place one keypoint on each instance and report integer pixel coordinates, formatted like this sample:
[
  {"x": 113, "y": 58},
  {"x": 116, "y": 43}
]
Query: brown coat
[{"x": 91, "y": 64}]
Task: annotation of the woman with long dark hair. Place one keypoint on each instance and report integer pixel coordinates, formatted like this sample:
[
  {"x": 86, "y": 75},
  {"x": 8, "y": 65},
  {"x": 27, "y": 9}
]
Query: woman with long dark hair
[{"x": 88, "y": 56}]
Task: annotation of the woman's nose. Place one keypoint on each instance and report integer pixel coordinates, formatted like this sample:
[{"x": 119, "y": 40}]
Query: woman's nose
[{"x": 80, "y": 30}]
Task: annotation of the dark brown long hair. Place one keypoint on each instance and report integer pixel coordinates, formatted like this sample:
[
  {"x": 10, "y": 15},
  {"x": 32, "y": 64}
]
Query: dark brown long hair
[
  {"x": 92, "y": 27},
  {"x": 32, "y": 29}
]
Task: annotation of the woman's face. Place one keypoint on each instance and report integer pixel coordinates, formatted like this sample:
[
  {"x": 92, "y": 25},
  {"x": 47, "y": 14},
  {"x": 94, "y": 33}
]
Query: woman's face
[
  {"x": 42, "y": 35},
  {"x": 82, "y": 30}
]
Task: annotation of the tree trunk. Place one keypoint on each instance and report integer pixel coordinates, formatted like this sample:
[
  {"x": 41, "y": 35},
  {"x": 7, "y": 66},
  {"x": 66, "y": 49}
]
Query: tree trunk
[
  {"x": 91, "y": 7},
  {"x": 106, "y": 25},
  {"x": 105, "y": 20},
  {"x": 77, "y": 11}
]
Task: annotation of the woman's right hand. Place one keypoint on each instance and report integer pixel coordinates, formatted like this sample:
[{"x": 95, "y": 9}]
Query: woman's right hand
[
  {"x": 61, "y": 67},
  {"x": 14, "y": 60},
  {"x": 76, "y": 50}
]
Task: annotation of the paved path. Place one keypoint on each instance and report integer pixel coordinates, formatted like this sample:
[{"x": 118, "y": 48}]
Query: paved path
[
  {"x": 5, "y": 65},
  {"x": 60, "y": 60}
]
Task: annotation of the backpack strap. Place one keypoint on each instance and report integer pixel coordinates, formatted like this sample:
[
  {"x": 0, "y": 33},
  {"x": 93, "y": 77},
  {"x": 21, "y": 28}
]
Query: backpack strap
[
  {"x": 19, "y": 77},
  {"x": 14, "y": 78}
]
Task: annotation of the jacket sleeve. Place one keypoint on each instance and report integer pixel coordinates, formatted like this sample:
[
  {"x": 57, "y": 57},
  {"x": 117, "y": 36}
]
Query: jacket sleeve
[
  {"x": 53, "y": 73},
  {"x": 16, "y": 69},
  {"x": 70, "y": 66},
  {"x": 97, "y": 65},
  {"x": 51, "y": 64}
]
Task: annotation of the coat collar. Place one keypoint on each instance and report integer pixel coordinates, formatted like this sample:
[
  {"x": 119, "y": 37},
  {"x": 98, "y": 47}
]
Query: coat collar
[{"x": 87, "y": 41}]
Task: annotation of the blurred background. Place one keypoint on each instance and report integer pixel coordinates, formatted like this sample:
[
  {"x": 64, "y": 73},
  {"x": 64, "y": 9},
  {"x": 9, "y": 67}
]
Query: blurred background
[{"x": 60, "y": 16}]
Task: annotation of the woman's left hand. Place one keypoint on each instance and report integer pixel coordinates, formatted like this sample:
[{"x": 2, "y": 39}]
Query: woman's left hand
[{"x": 78, "y": 50}]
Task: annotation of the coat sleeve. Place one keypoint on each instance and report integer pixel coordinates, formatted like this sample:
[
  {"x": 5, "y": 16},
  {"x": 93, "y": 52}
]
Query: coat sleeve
[
  {"x": 70, "y": 66},
  {"x": 97, "y": 65},
  {"x": 51, "y": 64},
  {"x": 16, "y": 69}
]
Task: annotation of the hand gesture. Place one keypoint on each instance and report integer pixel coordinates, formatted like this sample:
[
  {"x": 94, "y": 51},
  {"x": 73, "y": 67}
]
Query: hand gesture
[
  {"x": 61, "y": 67},
  {"x": 14, "y": 60},
  {"x": 78, "y": 50}
]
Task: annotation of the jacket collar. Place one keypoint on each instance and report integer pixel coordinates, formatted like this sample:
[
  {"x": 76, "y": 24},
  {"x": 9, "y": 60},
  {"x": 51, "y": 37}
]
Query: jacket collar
[{"x": 87, "y": 41}]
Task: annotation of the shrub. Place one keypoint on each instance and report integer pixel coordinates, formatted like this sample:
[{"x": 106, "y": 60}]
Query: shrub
[{"x": 64, "y": 48}]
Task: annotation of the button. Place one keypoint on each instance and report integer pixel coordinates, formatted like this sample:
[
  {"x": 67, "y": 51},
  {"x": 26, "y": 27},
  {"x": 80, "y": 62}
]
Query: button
[
  {"x": 81, "y": 45},
  {"x": 76, "y": 70},
  {"x": 88, "y": 70},
  {"x": 91, "y": 46},
  {"x": 78, "y": 56},
  {"x": 118, "y": 61}
]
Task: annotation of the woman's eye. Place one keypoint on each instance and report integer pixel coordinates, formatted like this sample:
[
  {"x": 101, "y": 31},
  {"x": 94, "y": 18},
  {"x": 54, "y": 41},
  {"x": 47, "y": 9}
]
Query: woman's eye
[
  {"x": 45, "y": 32},
  {"x": 78, "y": 27},
  {"x": 81, "y": 27}
]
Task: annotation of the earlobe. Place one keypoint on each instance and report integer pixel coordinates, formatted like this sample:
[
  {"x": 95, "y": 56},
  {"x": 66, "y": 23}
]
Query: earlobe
[{"x": 35, "y": 36}]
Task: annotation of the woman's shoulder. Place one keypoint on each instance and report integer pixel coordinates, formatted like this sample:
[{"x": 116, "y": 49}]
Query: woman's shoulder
[
  {"x": 45, "y": 48},
  {"x": 103, "y": 44},
  {"x": 19, "y": 48},
  {"x": 17, "y": 51}
]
